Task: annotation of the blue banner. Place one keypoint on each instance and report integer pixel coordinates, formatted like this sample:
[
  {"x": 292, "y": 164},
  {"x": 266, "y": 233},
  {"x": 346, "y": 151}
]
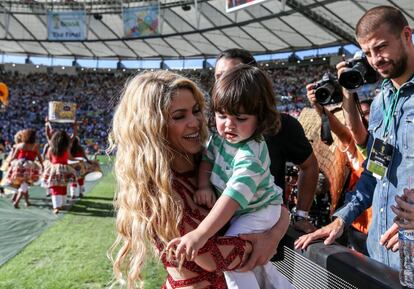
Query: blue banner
[
  {"x": 66, "y": 25},
  {"x": 140, "y": 21}
]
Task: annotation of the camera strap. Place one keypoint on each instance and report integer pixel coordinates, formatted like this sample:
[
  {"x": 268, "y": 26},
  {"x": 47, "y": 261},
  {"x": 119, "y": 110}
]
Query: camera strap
[
  {"x": 326, "y": 135},
  {"x": 358, "y": 105},
  {"x": 389, "y": 113}
]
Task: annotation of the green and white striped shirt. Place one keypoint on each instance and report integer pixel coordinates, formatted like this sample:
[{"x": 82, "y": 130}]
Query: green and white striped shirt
[{"x": 241, "y": 171}]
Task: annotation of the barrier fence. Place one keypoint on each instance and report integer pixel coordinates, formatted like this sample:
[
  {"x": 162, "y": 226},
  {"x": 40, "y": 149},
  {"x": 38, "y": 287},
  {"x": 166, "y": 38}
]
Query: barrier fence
[{"x": 333, "y": 267}]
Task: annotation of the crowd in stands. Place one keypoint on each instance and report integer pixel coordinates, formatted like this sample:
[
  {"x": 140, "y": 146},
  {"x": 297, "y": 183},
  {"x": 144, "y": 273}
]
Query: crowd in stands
[
  {"x": 93, "y": 93},
  {"x": 96, "y": 94}
]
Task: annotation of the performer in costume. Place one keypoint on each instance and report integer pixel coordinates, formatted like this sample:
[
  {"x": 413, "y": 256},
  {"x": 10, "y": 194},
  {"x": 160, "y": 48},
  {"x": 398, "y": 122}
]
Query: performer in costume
[
  {"x": 58, "y": 174},
  {"x": 78, "y": 153},
  {"x": 23, "y": 171}
]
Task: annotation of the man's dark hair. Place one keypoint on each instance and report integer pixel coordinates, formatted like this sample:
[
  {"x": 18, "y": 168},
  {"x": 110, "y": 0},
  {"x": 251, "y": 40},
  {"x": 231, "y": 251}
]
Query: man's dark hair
[
  {"x": 377, "y": 16},
  {"x": 236, "y": 53}
]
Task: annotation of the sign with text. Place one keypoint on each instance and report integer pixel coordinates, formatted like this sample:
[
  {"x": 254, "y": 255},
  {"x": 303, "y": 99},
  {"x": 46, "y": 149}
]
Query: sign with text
[
  {"x": 140, "y": 21},
  {"x": 66, "y": 25}
]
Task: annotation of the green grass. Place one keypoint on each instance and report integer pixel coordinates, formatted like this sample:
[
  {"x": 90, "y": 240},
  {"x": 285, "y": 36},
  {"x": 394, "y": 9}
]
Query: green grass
[{"x": 72, "y": 252}]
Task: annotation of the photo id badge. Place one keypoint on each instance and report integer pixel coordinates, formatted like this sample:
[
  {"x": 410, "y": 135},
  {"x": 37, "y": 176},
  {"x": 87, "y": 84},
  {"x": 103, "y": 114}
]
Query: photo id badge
[{"x": 379, "y": 158}]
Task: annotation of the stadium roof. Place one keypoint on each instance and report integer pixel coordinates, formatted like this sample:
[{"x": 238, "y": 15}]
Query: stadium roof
[{"x": 202, "y": 31}]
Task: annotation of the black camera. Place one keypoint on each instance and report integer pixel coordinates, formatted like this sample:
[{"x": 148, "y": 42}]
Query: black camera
[
  {"x": 357, "y": 73},
  {"x": 327, "y": 90}
]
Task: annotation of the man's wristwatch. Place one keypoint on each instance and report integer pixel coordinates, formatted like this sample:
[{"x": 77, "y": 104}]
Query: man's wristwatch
[{"x": 300, "y": 215}]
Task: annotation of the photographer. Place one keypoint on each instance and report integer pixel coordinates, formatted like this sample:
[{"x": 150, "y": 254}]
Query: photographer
[
  {"x": 357, "y": 234},
  {"x": 386, "y": 39},
  {"x": 357, "y": 123}
]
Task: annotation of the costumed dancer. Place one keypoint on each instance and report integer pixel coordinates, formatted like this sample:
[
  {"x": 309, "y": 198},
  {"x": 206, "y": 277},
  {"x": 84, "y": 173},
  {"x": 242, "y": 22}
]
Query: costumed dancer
[
  {"x": 78, "y": 153},
  {"x": 23, "y": 171},
  {"x": 6, "y": 163},
  {"x": 46, "y": 161},
  {"x": 58, "y": 174}
]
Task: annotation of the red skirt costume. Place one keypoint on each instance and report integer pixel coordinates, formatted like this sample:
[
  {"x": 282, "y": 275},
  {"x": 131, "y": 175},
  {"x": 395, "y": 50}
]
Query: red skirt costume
[
  {"x": 23, "y": 169},
  {"x": 192, "y": 217},
  {"x": 58, "y": 173}
]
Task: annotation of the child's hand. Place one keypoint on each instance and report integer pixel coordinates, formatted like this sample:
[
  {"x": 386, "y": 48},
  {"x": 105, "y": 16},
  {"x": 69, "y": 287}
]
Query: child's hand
[
  {"x": 205, "y": 197},
  {"x": 188, "y": 245}
]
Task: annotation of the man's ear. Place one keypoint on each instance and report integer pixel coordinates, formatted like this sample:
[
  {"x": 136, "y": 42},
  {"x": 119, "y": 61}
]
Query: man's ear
[{"x": 407, "y": 34}]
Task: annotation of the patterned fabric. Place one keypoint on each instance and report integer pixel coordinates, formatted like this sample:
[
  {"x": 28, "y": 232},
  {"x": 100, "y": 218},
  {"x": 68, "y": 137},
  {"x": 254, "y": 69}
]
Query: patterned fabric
[
  {"x": 241, "y": 172},
  {"x": 22, "y": 170},
  {"x": 58, "y": 173},
  {"x": 201, "y": 278}
]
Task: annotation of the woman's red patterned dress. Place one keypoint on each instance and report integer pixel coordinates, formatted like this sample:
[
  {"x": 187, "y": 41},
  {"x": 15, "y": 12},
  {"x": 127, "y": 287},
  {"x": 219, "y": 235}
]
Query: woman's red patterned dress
[{"x": 192, "y": 275}]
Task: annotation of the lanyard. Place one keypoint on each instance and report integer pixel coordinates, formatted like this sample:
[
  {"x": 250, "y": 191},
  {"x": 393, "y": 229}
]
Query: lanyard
[{"x": 389, "y": 113}]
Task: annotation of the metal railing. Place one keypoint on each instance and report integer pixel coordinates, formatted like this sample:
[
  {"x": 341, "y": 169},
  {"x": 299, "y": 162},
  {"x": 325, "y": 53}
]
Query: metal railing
[{"x": 333, "y": 267}]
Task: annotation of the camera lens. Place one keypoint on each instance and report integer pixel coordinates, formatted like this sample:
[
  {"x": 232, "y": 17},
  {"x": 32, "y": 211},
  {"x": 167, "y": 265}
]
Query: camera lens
[
  {"x": 353, "y": 77},
  {"x": 323, "y": 93}
]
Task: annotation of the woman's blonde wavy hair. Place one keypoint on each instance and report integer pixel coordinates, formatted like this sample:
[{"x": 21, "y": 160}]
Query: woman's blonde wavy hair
[{"x": 146, "y": 205}]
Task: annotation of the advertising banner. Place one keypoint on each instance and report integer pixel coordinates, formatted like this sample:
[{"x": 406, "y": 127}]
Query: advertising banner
[
  {"x": 66, "y": 25},
  {"x": 140, "y": 21}
]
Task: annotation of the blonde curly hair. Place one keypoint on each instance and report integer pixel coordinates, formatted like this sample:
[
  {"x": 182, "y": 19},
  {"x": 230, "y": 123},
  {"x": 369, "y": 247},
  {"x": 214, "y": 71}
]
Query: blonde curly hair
[{"x": 147, "y": 208}]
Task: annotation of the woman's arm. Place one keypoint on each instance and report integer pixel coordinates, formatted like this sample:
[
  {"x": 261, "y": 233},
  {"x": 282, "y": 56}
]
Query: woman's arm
[
  {"x": 204, "y": 174},
  {"x": 75, "y": 127},
  {"x": 14, "y": 152},
  {"x": 45, "y": 150},
  {"x": 39, "y": 156},
  {"x": 352, "y": 116},
  {"x": 11, "y": 153},
  {"x": 205, "y": 195},
  {"x": 48, "y": 129}
]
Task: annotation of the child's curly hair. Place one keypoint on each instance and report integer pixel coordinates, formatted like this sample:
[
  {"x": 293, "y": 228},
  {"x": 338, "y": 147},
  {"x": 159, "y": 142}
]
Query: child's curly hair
[{"x": 246, "y": 88}]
